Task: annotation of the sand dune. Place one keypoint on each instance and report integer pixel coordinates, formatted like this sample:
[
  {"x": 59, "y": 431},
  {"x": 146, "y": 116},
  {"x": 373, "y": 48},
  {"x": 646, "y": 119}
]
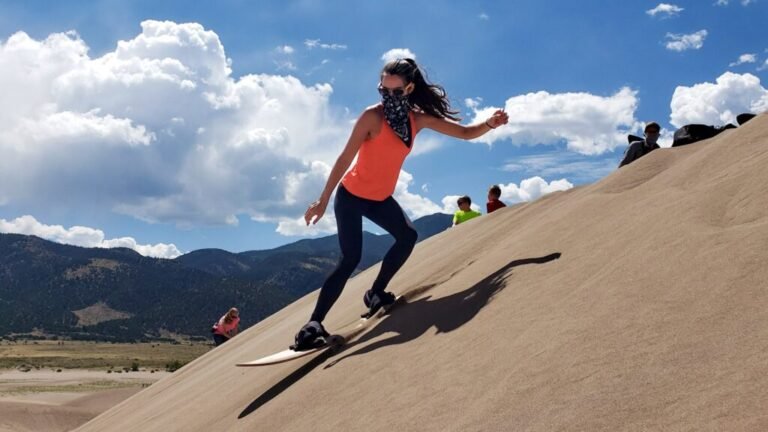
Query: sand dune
[
  {"x": 46, "y": 414},
  {"x": 50, "y": 401},
  {"x": 637, "y": 303}
]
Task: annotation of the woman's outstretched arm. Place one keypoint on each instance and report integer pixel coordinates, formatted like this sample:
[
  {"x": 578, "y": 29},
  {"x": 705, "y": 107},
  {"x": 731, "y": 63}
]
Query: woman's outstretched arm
[
  {"x": 457, "y": 130},
  {"x": 363, "y": 127}
]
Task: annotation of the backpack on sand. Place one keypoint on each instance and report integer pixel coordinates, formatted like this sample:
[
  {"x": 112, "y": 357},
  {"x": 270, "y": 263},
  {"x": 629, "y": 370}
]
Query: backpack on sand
[{"x": 691, "y": 133}]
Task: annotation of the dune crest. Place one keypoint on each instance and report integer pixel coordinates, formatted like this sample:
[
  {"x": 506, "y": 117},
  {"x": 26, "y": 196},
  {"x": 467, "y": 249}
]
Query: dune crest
[{"x": 639, "y": 302}]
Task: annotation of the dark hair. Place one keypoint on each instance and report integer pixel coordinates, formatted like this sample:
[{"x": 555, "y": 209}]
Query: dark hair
[
  {"x": 495, "y": 190},
  {"x": 464, "y": 198},
  {"x": 652, "y": 125},
  {"x": 427, "y": 97}
]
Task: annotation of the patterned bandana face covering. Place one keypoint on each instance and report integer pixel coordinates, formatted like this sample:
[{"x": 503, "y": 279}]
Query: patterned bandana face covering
[{"x": 396, "y": 111}]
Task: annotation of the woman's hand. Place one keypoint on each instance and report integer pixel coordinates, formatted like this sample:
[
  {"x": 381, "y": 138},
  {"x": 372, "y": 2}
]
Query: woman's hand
[
  {"x": 315, "y": 211},
  {"x": 500, "y": 117}
]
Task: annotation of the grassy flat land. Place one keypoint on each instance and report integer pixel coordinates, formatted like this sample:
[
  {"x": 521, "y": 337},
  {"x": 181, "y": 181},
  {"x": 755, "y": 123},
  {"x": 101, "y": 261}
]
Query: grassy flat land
[
  {"x": 97, "y": 355},
  {"x": 85, "y": 387}
]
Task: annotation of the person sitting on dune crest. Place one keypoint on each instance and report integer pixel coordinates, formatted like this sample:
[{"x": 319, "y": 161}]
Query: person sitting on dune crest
[
  {"x": 494, "y": 203},
  {"x": 465, "y": 212},
  {"x": 638, "y": 149}
]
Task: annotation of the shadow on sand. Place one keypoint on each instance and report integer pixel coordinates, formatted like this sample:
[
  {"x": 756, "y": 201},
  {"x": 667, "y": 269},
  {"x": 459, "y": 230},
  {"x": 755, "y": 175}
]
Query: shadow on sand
[{"x": 411, "y": 320}]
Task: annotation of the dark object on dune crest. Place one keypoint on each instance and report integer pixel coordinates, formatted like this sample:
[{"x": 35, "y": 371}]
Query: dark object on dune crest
[
  {"x": 745, "y": 117},
  {"x": 692, "y": 133}
]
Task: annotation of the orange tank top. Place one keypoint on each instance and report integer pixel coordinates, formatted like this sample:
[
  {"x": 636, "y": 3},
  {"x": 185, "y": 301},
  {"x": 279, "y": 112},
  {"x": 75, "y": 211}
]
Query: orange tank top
[{"x": 374, "y": 175}]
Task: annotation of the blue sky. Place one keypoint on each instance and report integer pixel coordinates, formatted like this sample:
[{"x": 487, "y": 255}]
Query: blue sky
[{"x": 173, "y": 126}]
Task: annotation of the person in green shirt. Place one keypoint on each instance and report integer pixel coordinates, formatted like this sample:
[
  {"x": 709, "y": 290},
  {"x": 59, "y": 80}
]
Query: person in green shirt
[{"x": 465, "y": 212}]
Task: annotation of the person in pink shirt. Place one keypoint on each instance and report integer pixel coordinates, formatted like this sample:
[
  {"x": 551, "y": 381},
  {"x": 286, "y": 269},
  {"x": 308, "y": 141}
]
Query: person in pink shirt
[{"x": 226, "y": 327}]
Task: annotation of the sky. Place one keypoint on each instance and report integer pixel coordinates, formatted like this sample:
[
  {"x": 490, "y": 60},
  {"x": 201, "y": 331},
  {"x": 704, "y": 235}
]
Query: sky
[{"x": 172, "y": 126}]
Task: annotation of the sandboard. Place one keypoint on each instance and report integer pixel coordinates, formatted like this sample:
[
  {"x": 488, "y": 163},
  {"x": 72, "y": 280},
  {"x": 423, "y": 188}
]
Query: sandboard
[{"x": 334, "y": 342}]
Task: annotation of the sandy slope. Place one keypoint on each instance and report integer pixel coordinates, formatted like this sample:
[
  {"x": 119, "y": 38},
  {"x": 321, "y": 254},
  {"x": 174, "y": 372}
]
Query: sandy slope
[
  {"x": 51, "y": 410},
  {"x": 45, "y": 414},
  {"x": 654, "y": 317}
]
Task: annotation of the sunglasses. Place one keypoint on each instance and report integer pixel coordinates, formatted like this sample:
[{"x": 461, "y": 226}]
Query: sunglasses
[{"x": 395, "y": 91}]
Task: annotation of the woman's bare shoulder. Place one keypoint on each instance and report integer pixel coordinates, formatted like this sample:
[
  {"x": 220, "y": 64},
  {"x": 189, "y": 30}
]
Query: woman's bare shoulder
[
  {"x": 371, "y": 119},
  {"x": 423, "y": 119},
  {"x": 374, "y": 111}
]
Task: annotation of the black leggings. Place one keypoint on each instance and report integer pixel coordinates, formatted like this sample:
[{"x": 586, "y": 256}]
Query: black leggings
[
  {"x": 219, "y": 339},
  {"x": 350, "y": 210}
]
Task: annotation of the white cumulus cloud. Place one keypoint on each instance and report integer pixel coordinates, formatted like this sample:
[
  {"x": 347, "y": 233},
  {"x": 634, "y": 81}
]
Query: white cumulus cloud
[
  {"x": 159, "y": 129},
  {"x": 744, "y": 58},
  {"x": 473, "y": 103},
  {"x": 61, "y": 127},
  {"x": 315, "y": 43},
  {"x": 743, "y": 2},
  {"x": 397, "y": 53},
  {"x": 83, "y": 236},
  {"x": 531, "y": 189},
  {"x": 427, "y": 141},
  {"x": 414, "y": 204},
  {"x": 665, "y": 10},
  {"x": 297, "y": 226},
  {"x": 683, "y": 42},
  {"x": 588, "y": 123},
  {"x": 719, "y": 102}
]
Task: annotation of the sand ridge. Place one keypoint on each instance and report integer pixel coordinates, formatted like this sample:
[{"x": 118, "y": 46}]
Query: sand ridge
[
  {"x": 30, "y": 401},
  {"x": 639, "y": 302}
]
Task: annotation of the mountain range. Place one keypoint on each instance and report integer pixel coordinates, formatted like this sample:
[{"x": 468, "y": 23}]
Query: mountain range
[{"x": 116, "y": 294}]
